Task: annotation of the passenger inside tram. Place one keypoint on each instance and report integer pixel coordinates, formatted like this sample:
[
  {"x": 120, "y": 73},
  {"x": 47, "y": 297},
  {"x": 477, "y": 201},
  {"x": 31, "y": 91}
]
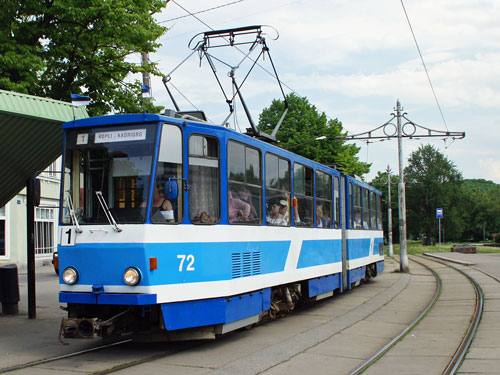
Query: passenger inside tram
[{"x": 277, "y": 212}]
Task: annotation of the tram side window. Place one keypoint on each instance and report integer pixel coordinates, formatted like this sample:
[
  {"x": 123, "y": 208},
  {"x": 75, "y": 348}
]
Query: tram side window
[
  {"x": 304, "y": 195},
  {"x": 373, "y": 211},
  {"x": 204, "y": 205},
  {"x": 277, "y": 190},
  {"x": 379, "y": 212},
  {"x": 357, "y": 207},
  {"x": 336, "y": 195},
  {"x": 323, "y": 200},
  {"x": 169, "y": 166},
  {"x": 366, "y": 209},
  {"x": 244, "y": 184}
]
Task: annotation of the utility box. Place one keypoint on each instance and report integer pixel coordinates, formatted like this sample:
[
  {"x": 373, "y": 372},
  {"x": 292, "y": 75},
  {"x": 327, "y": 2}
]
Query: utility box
[{"x": 9, "y": 289}]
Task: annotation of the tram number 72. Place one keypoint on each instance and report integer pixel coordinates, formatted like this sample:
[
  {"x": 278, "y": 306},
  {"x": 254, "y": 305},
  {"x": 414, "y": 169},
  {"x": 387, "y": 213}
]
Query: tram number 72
[{"x": 189, "y": 259}]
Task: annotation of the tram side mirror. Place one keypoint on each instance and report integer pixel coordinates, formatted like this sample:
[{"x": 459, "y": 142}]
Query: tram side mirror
[{"x": 171, "y": 190}]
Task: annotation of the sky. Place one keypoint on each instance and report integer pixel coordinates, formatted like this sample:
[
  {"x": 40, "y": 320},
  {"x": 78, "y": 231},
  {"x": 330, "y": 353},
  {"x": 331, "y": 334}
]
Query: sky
[{"x": 353, "y": 60}]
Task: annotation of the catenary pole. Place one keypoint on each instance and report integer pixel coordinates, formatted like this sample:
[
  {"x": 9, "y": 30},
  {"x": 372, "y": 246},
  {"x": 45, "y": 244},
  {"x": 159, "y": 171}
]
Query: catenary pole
[
  {"x": 403, "y": 266},
  {"x": 389, "y": 213},
  {"x": 410, "y": 130},
  {"x": 146, "y": 78}
]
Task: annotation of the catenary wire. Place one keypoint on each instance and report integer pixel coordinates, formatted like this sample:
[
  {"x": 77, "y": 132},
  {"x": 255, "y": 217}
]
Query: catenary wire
[
  {"x": 202, "y": 11},
  {"x": 423, "y": 63}
]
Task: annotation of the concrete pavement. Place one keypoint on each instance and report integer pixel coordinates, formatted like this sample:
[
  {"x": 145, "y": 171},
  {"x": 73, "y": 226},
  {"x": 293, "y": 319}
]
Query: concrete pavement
[{"x": 333, "y": 336}]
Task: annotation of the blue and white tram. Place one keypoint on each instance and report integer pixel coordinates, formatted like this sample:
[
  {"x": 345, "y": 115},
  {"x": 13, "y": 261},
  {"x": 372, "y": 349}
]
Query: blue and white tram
[{"x": 173, "y": 228}]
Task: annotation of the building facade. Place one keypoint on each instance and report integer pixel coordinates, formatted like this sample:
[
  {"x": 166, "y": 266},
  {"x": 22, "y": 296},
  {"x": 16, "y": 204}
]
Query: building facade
[
  {"x": 30, "y": 139},
  {"x": 13, "y": 227}
]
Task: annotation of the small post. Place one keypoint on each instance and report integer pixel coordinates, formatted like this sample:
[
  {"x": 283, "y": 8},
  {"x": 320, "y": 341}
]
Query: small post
[
  {"x": 439, "y": 216},
  {"x": 439, "y": 234}
]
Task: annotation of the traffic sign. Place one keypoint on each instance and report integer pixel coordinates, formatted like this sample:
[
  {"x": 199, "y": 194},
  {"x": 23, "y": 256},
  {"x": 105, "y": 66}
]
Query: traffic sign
[{"x": 439, "y": 213}]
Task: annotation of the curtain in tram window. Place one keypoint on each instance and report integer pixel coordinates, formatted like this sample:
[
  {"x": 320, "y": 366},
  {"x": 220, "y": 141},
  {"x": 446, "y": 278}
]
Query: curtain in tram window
[{"x": 204, "y": 193}]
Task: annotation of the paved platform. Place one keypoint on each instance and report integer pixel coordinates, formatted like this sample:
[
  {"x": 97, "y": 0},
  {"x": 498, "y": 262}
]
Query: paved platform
[
  {"x": 486, "y": 262},
  {"x": 333, "y": 337},
  {"x": 22, "y": 339}
]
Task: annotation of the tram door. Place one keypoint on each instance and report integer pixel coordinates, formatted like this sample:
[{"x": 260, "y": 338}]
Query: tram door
[{"x": 344, "y": 199}]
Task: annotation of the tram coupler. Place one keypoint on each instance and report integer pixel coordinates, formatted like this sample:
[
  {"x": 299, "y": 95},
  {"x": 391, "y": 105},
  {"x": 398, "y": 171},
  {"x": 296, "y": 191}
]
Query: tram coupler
[{"x": 72, "y": 328}]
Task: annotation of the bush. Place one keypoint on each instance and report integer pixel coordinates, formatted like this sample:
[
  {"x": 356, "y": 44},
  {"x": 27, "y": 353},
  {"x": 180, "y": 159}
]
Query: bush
[{"x": 497, "y": 238}]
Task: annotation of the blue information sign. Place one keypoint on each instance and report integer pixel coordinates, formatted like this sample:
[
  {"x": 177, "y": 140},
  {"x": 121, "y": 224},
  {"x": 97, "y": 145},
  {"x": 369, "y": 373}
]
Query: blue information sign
[{"x": 439, "y": 213}]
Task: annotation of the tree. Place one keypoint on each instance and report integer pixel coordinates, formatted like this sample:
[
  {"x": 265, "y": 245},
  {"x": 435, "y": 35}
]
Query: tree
[
  {"x": 54, "y": 48},
  {"x": 302, "y": 125},
  {"x": 433, "y": 181},
  {"x": 481, "y": 209}
]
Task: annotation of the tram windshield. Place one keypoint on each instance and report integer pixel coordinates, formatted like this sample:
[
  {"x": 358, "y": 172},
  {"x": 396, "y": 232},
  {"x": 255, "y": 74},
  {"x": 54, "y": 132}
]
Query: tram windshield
[{"x": 115, "y": 161}]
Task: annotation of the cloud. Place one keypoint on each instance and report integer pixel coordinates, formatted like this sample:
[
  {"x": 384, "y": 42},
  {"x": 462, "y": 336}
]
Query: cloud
[
  {"x": 352, "y": 60},
  {"x": 465, "y": 83},
  {"x": 492, "y": 168}
]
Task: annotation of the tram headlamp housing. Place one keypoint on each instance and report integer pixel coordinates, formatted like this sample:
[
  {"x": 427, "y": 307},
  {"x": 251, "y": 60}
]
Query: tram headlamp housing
[
  {"x": 70, "y": 275},
  {"x": 132, "y": 276}
]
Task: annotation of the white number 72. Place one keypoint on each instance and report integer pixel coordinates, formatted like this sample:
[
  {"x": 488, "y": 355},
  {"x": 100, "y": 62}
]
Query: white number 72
[{"x": 189, "y": 258}]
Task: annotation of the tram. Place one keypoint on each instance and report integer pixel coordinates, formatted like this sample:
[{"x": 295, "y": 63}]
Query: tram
[{"x": 172, "y": 228}]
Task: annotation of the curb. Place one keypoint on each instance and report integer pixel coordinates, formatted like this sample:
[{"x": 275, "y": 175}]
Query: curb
[{"x": 430, "y": 255}]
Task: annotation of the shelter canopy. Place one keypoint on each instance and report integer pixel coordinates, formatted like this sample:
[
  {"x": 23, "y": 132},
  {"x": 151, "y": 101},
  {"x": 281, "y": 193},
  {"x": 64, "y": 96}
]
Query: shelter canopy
[{"x": 30, "y": 137}]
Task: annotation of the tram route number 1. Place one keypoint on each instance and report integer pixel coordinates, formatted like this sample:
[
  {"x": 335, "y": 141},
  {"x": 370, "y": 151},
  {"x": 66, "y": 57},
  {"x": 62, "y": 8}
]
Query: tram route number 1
[
  {"x": 68, "y": 236},
  {"x": 188, "y": 260}
]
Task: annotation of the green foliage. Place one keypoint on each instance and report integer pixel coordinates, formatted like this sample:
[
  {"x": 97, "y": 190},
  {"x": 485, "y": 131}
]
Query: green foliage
[
  {"x": 54, "y": 48},
  {"x": 303, "y": 123},
  {"x": 481, "y": 209},
  {"x": 497, "y": 238},
  {"x": 471, "y": 207},
  {"x": 432, "y": 181},
  {"x": 416, "y": 248}
]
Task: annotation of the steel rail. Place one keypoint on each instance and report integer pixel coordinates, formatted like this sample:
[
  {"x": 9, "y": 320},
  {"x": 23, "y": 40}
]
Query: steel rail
[
  {"x": 462, "y": 349},
  {"x": 64, "y": 356},
  {"x": 118, "y": 367},
  {"x": 154, "y": 357},
  {"x": 361, "y": 368}
]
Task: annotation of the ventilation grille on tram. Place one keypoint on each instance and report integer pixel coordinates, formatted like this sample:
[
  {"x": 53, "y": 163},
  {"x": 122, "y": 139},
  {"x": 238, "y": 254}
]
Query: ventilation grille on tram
[{"x": 245, "y": 264}]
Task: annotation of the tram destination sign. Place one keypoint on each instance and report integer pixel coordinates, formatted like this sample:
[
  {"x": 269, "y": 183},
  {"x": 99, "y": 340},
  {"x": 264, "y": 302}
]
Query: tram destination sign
[{"x": 121, "y": 136}]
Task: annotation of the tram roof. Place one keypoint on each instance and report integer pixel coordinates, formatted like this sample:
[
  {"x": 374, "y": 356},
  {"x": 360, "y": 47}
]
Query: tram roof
[{"x": 30, "y": 137}]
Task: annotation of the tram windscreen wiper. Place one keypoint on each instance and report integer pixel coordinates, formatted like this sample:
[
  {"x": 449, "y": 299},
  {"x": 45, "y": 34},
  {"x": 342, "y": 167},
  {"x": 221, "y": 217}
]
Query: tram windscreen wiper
[
  {"x": 72, "y": 214},
  {"x": 107, "y": 212}
]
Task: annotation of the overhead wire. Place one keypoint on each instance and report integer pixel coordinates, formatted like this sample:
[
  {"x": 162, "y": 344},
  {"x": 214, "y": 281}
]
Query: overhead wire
[
  {"x": 185, "y": 98},
  {"x": 423, "y": 63},
  {"x": 201, "y": 11}
]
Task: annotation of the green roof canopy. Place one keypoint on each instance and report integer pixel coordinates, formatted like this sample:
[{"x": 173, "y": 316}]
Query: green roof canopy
[{"x": 30, "y": 137}]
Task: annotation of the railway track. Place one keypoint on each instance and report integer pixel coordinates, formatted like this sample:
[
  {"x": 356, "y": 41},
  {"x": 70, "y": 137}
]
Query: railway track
[
  {"x": 325, "y": 332},
  {"x": 464, "y": 343},
  {"x": 380, "y": 353}
]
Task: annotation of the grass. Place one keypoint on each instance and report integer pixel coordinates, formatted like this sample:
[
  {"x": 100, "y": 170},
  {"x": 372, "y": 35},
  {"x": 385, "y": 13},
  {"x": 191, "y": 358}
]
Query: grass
[{"x": 416, "y": 247}]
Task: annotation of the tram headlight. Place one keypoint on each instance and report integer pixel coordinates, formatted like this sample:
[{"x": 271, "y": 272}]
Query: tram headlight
[
  {"x": 132, "y": 276},
  {"x": 70, "y": 275}
]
